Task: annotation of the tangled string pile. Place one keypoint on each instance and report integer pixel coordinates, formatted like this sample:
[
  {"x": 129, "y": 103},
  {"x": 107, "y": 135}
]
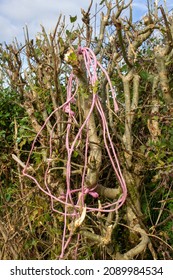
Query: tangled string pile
[{"x": 78, "y": 209}]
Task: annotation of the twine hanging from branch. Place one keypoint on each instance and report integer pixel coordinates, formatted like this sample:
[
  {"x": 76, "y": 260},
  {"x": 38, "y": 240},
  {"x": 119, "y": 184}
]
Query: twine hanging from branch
[{"x": 68, "y": 200}]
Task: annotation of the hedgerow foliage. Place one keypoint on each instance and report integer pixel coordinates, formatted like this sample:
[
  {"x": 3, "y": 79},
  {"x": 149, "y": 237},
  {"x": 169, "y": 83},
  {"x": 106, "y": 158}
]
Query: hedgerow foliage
[{"x": 86, "y": 115}]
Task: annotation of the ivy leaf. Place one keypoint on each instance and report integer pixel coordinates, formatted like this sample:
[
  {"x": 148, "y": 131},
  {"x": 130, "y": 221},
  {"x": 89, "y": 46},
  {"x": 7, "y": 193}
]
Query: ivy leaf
[{"x": 73, "y": 19}]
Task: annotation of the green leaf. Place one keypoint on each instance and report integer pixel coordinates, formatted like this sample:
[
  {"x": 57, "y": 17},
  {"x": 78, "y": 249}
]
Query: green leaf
[
  {"x": 73, "y": 19},
  {"x": 72, "y": 57},
  {"x": 75, "y": 154},
  {"x": 68, "y": 33},
  {"x": 102, "y": 2},
  {"x": 170, "y": 160},
  {"x": 8, "y": 197},
  {"x": 144, "y": 75}
]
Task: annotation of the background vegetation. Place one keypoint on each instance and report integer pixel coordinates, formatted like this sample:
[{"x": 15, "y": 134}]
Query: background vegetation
[{"x": 139, "y": 60}]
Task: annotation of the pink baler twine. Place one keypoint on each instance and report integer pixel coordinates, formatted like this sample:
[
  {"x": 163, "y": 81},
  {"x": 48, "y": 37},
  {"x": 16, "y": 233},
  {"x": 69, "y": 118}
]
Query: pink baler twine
[{"x": 91, "y": 65}]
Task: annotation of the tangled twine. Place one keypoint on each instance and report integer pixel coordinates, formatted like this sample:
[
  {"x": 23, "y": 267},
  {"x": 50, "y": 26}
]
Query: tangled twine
[{"x": 78, "y": 209}]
